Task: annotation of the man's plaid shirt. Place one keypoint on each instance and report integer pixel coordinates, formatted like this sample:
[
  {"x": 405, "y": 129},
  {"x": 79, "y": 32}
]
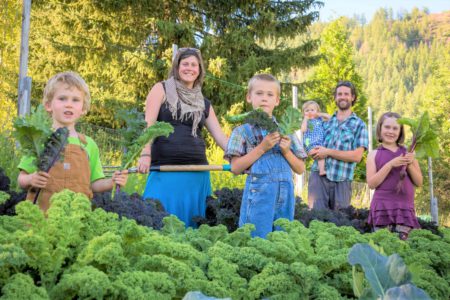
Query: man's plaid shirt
[{"x": 347, "y": 135}]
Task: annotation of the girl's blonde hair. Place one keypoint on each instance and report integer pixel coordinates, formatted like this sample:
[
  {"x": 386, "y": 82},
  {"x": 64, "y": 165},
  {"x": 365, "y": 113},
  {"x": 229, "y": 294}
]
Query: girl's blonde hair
[
  {"x": 309, "y": 103},
  {"x": 72, "y": 79}
]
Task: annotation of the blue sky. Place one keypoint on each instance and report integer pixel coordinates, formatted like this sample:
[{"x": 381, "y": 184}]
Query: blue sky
[{"x": 336, "y": 8}]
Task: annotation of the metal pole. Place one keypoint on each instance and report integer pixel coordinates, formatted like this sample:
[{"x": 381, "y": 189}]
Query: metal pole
[
  {"x": 298, "y": 179},
  {"x": 22, "y": 107},
  {"x": 174, "y": 50},
  {"x": 433, "y": 200},
  {"x": 370, "y": 135}
]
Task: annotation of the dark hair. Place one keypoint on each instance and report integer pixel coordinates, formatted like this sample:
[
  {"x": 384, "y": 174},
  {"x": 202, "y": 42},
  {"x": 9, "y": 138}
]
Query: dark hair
[
  {"x": 183, "y": 53},
  {"x": 349, "y": 85},
  {"x": 401, "y": 136}
]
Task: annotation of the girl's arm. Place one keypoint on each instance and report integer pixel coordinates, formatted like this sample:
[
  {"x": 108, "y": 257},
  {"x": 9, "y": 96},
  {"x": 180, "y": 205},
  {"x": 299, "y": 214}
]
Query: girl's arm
[
  {"x": 241, "y": 163},
  {"x": 304, "y": 126},
  {"x": 213, "y": 126},
  {"x": 374, "y": 177},
  {"x": 297, "y": 164},
  {"x": 153, "y": 103},
  {"x": 413, "y": 170}
]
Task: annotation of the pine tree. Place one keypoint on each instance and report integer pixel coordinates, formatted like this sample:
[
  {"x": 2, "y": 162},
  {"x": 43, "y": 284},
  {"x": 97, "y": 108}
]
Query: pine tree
[{"x": 124, "y": 47}]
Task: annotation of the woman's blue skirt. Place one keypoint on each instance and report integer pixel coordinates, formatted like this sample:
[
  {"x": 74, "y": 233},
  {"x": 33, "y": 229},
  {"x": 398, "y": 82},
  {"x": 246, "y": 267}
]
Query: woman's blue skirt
[{"x": 182, "y": 194}]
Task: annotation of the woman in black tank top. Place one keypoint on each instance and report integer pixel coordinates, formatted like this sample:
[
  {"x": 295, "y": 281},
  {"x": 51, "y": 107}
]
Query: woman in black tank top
[{"x": 180, "y": 102}]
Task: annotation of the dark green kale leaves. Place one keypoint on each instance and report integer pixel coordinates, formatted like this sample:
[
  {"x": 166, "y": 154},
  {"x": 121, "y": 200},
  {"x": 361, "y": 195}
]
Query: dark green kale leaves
[{"x": 35, "y": 136}]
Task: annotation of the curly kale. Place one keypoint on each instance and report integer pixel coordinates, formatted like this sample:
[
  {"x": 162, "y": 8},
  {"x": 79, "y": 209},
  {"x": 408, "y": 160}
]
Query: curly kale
[
  {"x": 11, "y": 198},
  {"x": 349, "y": 216},
  {"x": 148, "y": 212},
  {"x": 139, "y": 141},
  {"x": 289, "y": 122},
  {"x": 255, "y": 117},
  {"x": 224, "y": 209}
]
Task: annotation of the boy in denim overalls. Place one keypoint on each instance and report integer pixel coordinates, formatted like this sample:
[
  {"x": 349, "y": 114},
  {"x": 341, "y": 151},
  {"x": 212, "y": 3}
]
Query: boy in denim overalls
[{"x": 269, "y": 189}]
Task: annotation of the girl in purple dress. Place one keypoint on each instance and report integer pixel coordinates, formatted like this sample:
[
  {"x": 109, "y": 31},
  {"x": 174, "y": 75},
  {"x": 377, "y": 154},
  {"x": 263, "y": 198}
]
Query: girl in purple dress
[{"x": 389, "y": 208}]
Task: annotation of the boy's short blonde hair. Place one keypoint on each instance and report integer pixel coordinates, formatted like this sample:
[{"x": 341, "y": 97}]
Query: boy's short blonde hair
[
  {"x": 265, "y": 77},
  {"x": 72, "y": 79},
  {"x": 310, "y": 103}
]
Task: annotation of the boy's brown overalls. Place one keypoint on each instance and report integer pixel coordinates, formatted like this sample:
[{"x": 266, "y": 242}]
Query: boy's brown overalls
[{"x": 73, "y": 173}]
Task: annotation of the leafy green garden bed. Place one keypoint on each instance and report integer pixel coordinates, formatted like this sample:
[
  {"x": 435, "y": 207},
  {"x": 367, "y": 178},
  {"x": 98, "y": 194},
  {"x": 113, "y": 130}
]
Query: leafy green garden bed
[{"x": 77, "y": 252}]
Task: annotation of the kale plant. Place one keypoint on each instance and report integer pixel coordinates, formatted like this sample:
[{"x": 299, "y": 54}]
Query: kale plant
[
  {"x": 289, "y": 122},
  {"x": 10, "y": 198},
  {"x": 148, "y": 212}
]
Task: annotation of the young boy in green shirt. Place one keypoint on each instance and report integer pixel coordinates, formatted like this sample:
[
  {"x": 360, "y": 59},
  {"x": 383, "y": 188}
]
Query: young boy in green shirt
[{"x": 67, "y": 98}]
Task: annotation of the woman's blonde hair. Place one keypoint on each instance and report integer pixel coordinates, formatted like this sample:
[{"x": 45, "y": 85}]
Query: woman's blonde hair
[
  {"x": 310, "y": 103},
  {"x": 72, "y": 79}
]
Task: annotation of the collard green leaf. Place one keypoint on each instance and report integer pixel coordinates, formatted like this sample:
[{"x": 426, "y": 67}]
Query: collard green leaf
[
  {"x": 388, "y": 277},
  {"x": 410, "y": 122},
  {"x": 424, "y": 140},
  {"x": 374, "y": 266},
  {"x": 32, "y": 131},
  {"x": 290, "y": 121},
  {"x": 406, "y": 292}
]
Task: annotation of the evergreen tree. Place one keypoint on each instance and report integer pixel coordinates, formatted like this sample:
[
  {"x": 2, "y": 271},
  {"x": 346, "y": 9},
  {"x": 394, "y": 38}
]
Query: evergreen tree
[
  {"x": 336, "y": 63},
  {"x": 10, "y": 24},
  {"x": 124, "y": 47}
]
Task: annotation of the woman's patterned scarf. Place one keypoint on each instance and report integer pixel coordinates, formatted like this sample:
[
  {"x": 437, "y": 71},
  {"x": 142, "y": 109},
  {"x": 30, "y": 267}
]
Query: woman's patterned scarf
[{"x": 190, "y": 102}]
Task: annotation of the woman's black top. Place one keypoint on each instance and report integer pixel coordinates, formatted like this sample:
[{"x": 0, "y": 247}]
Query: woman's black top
[{"x": 180, "y": 148}]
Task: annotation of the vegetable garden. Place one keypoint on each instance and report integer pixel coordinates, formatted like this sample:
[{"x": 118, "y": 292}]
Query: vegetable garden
[
  {"x": 120, "y": 246},
  {"x": 126, "y": 247}
]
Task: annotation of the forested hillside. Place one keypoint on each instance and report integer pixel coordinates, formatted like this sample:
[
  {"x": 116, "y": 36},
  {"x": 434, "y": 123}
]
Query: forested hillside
[{"x": 404, "y": 64}]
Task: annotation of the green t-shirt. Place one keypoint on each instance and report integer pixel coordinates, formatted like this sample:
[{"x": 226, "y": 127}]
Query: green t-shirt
[{"x": 26, "y": 162}]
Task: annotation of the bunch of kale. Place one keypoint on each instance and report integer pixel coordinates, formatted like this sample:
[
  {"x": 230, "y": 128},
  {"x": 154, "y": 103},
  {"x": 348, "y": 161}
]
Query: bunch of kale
[
  {"x": 148, "y": 212},
  {"x": 289, "y": 123}
]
